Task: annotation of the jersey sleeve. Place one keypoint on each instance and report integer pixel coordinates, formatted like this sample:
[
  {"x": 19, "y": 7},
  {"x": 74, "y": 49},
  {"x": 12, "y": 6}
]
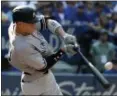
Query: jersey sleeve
[
  {"x": 32, "y": 58},
  {"x": 41, "y": 25},
  {"x": 47, "y": 23}
]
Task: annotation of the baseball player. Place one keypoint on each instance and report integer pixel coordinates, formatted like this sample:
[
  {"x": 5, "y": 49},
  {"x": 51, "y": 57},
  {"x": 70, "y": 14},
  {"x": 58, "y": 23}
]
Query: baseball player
[{"x": 31, "y": 54}]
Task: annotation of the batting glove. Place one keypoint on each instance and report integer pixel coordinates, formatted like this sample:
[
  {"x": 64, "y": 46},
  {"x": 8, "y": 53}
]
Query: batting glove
[
  {"x": 69, "y": 39},
  {"x": 70, "y": 43}
]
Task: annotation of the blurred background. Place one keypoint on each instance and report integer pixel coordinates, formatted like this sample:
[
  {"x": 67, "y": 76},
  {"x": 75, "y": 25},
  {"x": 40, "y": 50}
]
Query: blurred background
[{"x": 94, "y": 23}]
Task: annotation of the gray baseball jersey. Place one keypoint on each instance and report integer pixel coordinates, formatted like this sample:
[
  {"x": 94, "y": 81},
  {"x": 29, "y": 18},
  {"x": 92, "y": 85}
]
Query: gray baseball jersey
[
  {"x": 28, "y": 52},
  {"x": 27, "y": 55}
]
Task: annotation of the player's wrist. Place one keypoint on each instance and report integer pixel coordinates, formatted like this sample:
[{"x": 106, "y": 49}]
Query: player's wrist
[
  {"x": 51, "y": 60},
  {"x": 65, "y": 35}
]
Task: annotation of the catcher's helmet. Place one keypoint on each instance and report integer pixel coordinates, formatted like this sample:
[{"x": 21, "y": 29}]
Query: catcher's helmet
[{"x": 25, "y": 14}]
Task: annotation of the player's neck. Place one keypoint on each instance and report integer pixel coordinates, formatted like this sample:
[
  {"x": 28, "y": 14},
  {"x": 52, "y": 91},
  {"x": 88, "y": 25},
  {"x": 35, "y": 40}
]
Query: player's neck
[
  {"x": 18, "y": 32},
  {"x": 24, "y": 33}
]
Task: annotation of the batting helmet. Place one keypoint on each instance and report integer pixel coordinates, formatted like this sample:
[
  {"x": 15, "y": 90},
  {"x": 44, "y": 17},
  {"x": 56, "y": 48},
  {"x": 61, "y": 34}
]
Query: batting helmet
[{"x": 25, "y": 14}]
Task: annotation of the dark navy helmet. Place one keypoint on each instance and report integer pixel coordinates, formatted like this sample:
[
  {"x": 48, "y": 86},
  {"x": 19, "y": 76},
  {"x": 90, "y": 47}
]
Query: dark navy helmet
[{"x": 25, "y": 14}]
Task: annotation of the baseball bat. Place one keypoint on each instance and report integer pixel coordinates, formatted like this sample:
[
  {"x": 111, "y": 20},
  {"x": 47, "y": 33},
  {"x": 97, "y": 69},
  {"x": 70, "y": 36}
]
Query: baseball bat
[{"x": 104, "y": 82}]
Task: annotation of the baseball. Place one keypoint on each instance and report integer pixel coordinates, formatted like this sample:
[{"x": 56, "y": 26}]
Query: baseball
[{"x": 108, "y": 66}]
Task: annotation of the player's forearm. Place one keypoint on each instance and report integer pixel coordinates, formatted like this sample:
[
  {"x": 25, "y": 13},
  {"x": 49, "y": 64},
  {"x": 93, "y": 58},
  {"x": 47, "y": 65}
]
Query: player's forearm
[
  {"x": 55, "y": 27},
  {"x": 61, "y": 32}
]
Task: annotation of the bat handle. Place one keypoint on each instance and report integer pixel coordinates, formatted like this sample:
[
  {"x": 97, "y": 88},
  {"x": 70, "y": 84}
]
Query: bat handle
[{"x": 76, "y": 47}]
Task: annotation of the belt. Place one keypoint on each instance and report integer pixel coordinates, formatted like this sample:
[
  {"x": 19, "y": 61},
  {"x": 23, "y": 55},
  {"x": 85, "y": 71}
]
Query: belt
[
  {"x": 30, "y": 74},
  {"x": 23, "y": 81},
  {"x": 27, "y": 73}
]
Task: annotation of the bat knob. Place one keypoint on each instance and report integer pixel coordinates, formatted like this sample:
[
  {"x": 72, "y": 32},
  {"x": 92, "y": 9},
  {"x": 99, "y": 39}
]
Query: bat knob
[
  {"x": 76, "y": 47},
  {"x": 107, "y": 86}
]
